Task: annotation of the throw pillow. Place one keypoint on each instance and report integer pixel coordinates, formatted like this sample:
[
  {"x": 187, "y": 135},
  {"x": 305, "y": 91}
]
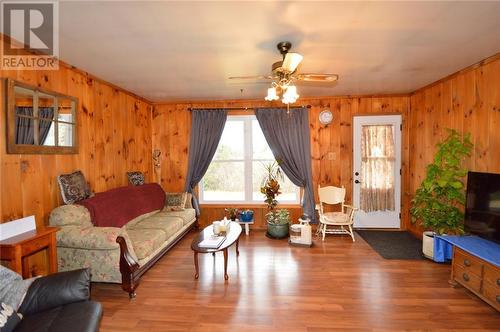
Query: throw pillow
[
  {"x": 175, "y": 201},
  {"x": 9, "y": 318},
  {"x": 189, "y": 201},
  {"x": 73, "y": 186},
  {"x": 135, "y": 178},
  {"x": 13, "y": 288}
]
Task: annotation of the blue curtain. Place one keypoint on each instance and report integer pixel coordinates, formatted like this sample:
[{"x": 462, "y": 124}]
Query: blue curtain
[
  {"x": 206, "y": 131},
  {"x": 288, "y": 137}
]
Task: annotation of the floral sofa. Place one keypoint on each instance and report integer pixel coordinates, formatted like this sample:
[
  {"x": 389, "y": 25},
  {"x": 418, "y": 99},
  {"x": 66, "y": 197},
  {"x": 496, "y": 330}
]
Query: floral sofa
[{"x": 113, "y": 253}]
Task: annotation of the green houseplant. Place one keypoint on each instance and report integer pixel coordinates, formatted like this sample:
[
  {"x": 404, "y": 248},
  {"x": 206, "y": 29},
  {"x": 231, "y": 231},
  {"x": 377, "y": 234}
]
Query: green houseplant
[
  {"x": 278, "y": 221},
  {"x": 438, "y": 202}
]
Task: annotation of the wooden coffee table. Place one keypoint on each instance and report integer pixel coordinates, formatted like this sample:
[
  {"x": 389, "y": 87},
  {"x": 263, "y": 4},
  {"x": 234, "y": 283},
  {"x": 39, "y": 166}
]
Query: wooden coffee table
[{"x": 232, "y": 237}]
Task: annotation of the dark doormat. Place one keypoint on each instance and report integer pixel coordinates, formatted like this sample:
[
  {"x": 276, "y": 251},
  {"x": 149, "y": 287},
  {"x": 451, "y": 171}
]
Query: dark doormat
[{"x": 393, "y": 245}]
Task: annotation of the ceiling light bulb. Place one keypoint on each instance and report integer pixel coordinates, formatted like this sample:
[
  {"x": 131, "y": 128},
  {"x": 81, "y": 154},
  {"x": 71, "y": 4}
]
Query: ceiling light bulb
[
  {"x": 271, "y": 94},
  {"x": 292, "y": 61}
]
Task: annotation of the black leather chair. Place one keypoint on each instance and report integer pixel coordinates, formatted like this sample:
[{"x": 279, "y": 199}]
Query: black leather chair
[{"x": 60, "y": 302}]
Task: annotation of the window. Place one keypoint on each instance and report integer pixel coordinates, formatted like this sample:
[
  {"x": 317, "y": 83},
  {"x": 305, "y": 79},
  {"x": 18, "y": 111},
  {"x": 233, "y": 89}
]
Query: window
[{"x": 236, "y": 171}]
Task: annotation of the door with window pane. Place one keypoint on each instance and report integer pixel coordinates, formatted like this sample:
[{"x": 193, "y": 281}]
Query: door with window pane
[
  {"x": 377, "y": 165},
  {"x": 236, "y": 172}
]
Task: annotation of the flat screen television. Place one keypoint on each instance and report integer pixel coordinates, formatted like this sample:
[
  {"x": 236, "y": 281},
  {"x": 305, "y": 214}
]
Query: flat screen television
[{"x": 482, "y": 207}]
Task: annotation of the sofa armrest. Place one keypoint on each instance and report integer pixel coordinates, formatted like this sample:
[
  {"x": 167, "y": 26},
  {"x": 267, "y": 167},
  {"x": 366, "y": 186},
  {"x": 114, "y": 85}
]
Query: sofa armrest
[
  {"x": 56, "y": 290},
  {"x": 70, "y": 215}
]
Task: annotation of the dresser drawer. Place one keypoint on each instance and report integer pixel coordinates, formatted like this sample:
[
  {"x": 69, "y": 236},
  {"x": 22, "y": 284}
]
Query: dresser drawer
[
  {"x": 492, "y": 294},
  {"x": 491, "y": 275},
  {"x": 464, "y": 277},
  {"x": 470, "y": 264}
]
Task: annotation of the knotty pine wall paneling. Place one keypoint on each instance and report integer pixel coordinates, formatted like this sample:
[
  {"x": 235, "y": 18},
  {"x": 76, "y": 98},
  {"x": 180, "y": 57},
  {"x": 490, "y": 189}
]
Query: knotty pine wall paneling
[
  {"x": 331, "y": 145},
  {"x": 114, "y": 136},
  {"x": 468, "y": 101}
]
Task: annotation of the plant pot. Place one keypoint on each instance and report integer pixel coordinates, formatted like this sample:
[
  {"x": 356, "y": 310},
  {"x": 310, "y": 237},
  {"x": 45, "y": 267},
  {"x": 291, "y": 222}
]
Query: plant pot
[
  {"x": 428, "y": 244},
  {"x": 277, "y": 231}
]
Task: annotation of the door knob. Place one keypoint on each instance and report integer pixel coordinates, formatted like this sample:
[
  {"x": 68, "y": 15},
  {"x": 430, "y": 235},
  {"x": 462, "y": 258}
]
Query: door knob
[
  {"x": 357, "y": 181},
  {"x": 357, "y": 173}
]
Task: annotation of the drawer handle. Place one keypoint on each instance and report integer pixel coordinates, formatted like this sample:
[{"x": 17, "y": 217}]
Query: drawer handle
[
  {"x": 466, "y": 262},
  {"x": 465, "y": 276}
]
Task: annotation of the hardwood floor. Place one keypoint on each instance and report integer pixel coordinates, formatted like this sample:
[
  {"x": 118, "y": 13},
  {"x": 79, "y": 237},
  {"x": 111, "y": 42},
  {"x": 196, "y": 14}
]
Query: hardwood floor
[{"x": 336, "y": 285}]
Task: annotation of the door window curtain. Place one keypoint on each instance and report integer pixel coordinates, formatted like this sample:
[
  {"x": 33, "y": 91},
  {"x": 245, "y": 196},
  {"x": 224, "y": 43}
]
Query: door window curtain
[
  {"x": 25, "y": 126},
  {"x": 377, "y": 168},
  {"x": 206, "y": 131},
  {"x": 289, "y": 139}
]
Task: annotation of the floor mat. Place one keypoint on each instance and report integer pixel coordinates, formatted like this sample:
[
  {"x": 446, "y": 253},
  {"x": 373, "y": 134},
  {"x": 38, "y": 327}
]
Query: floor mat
[{"x": 393, "y": 245}]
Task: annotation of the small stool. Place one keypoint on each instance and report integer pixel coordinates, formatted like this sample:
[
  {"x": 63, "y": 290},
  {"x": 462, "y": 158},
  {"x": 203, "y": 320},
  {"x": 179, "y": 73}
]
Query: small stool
[{"x": 247, "y": 225}]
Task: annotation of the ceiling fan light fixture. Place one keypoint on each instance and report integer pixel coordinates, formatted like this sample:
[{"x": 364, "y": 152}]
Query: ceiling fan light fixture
[
  {"x": 292, "y": 61},
  {"x": 290, "y": 96},
  {"x": 271, "y": 94}
]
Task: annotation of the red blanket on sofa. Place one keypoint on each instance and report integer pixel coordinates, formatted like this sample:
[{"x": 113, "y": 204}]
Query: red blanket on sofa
[{"x": 116, "y": 207}]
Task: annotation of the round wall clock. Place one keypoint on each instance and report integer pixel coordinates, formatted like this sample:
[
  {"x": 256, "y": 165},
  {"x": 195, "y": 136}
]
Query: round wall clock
[{"x": 326, "y": 117}]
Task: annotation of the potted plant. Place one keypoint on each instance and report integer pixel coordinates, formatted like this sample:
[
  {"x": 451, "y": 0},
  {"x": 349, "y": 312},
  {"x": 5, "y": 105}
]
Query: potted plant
[
  {"x": 232, "y": 213},
  {"x": 277, "y": 221},
  {"x": 438, "y": 202}
]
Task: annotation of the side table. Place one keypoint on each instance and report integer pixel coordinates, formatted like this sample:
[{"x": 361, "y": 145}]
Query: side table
[{"x": 17, "y": 249}]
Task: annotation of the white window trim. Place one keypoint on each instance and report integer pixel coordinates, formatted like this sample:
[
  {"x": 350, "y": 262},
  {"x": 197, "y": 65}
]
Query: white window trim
[{"x": 248, "y": 169}]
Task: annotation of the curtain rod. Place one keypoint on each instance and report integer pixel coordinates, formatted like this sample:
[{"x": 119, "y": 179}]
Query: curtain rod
[{"x": 242, "y": 108}]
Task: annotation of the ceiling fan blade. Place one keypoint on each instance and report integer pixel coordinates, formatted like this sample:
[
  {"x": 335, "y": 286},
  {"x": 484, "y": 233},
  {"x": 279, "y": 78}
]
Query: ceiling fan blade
[
  {"x": 256, "y": 77},
  {"x": 291, "y": 61},
  {"x": 310, "y": 77}
]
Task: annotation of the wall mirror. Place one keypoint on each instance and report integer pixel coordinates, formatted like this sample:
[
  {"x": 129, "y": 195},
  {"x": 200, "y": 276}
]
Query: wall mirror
[{"x": 40, "y": 121}]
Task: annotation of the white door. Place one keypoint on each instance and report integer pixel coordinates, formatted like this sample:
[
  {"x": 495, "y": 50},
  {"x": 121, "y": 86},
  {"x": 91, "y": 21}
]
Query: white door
[{"x": 377, "y": 171}]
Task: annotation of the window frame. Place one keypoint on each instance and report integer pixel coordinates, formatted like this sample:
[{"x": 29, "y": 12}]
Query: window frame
[{"x": 248, "y": 169}]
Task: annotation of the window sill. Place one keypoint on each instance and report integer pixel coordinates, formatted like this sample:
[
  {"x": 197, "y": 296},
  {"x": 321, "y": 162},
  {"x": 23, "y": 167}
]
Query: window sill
[{"x": 247, "y": 205}]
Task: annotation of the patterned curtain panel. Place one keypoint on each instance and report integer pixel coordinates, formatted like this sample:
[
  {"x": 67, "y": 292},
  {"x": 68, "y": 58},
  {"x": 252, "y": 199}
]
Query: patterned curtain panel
[{"x": 377, "y": 168}]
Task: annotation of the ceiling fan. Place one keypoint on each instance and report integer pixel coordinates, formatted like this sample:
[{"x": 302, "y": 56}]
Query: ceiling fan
[{"x": 284, "y": 73}]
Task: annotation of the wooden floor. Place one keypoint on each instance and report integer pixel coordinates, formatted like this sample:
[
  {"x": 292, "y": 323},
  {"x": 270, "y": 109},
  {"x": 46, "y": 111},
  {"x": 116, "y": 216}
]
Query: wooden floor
[{"x": 336, "y": 285}]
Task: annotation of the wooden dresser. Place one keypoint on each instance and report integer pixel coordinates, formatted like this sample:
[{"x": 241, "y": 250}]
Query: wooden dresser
[{"x": 480, "y": 277}]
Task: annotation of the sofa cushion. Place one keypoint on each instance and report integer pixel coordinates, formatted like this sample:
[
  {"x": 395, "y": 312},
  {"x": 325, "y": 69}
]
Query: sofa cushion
[
  {"x": 84, "y": 316},
  {"x": 135, "y": 178},
  {"x": 116, "y": 207},
  {"x": 186, "y": 215},
  {"x": 168, "y": 224},
  {"x": 146, "y": 240}
]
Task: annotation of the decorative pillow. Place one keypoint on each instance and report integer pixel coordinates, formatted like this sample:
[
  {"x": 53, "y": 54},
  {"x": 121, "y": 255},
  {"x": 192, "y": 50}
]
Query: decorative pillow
[
  {"x": 136, "y": 178},
  {"x": 175, "y": 201},
  {"x": 73, "y": 186},
  {"x": 9, "y": 318},
  {"x": 13, "y": 288},
  {"x": 189, "y": 201}
]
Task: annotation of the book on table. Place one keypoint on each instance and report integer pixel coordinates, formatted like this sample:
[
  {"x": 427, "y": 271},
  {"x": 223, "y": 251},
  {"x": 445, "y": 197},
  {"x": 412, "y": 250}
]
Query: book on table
[{"x": 212, "y": 242}]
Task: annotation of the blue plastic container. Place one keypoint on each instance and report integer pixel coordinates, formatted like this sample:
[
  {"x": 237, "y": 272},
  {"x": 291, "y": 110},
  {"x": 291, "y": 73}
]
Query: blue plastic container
[{"x": 246, "y": 216}]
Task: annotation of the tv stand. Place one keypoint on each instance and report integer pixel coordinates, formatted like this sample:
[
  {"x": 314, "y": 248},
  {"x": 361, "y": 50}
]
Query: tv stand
[{"x": 476, "y": 266}]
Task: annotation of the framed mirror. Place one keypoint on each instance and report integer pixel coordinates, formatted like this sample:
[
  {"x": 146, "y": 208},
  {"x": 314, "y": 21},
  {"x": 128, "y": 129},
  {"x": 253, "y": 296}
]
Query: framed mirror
[{"x": 40, "y": 121}]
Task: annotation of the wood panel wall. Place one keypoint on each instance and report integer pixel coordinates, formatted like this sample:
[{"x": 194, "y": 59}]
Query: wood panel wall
[
  {"x": 468, "y": 101},
  {"x": 114, "y": 136},
  {"x": 331, "y": 146}
]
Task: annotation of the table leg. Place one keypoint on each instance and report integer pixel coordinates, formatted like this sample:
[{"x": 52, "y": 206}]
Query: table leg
[
  {"x": 52, "y": 252},
  {"x": 26, "y": 267},
  {"x": 225, "y": 265},
  {"x": 238, "y": 247},
  {"x": 16, "y": 263},
  {"x": 247, "y": 229},
  {"x": 196, "y": 265}
]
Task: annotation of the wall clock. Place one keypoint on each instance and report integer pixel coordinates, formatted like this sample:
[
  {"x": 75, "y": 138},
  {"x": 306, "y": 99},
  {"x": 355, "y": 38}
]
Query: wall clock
[{"x": 325, "y": 117}]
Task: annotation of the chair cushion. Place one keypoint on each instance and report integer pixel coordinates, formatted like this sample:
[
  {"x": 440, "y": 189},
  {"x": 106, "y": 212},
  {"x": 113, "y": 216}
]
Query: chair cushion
[
  {"x": 83, "y": 316},
  {"x": 335, "y": 217},
  {"x": 146, "y": 240}
]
